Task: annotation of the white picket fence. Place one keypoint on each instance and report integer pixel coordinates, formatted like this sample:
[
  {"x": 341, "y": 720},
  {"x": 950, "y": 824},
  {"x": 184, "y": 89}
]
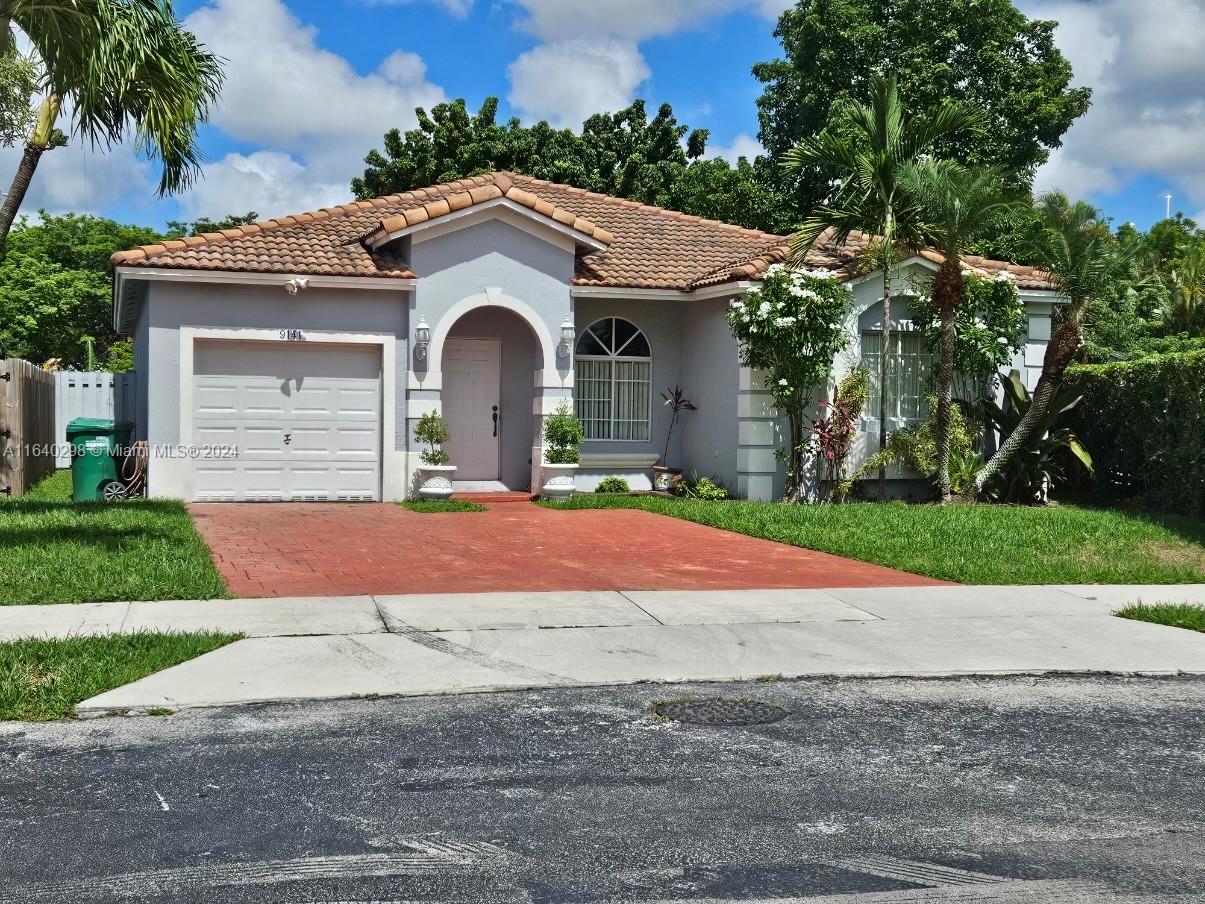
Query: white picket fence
[{"x": 90, "y": 394}]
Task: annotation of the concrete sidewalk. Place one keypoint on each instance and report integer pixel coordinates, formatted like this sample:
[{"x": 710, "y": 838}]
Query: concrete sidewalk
[{"x": 313, "y": 648}]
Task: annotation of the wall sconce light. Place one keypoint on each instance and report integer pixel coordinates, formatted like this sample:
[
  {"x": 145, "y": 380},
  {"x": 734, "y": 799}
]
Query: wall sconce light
[
  {"x": 297, "y": 284},
  {"x": 568, "y": 334},
  {"x": 422, "y": 338}
]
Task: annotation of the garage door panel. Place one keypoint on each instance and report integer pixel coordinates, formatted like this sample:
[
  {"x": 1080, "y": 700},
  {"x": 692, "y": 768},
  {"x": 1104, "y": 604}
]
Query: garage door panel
[{"x": 304, "y": 419}]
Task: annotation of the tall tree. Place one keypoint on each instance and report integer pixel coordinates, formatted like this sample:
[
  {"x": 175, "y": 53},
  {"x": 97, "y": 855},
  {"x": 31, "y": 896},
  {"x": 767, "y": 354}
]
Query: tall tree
[
  {"x": 869, "y": 160},
  {"x": 116, "y": 66},
  {"x": 955, "y": 204},
  {"x": 983, "y": 52},
  {"x": 655, "y": 160},
  {"x": 1076, "y": 248}
]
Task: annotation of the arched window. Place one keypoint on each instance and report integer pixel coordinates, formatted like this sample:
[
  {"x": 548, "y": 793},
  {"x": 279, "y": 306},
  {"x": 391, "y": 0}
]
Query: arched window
[{"x": 613, "y": 380}]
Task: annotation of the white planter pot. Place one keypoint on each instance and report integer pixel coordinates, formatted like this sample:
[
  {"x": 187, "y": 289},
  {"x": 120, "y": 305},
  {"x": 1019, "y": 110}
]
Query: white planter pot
[
  {"x": 435, "y": 481},
  {"x": 557, "y": 480}
]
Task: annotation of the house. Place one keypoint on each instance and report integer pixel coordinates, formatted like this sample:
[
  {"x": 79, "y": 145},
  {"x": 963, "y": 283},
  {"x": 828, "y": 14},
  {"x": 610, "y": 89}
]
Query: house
[{"x": 290, "y": 359}]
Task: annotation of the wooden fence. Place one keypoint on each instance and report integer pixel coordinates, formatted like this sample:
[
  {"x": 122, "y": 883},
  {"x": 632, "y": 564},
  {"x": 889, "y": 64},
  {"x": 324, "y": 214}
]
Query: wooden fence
[
  {"x": 90, "y": 394},
  {"x": 27, "y": 434}
]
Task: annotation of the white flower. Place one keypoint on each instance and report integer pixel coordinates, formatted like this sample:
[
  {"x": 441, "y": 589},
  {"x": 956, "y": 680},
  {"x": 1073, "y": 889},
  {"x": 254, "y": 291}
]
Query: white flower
[
  {"x": 763, "y": 308},
  {"x": 738, "y": 305},
  {"x": 1005, "y": 276},
  {"x": 783, "y": 382},
  {"x": 784, "y": 321},
  {"x": 1002, "y": 340},
  {"x": 775, "y": 269}
]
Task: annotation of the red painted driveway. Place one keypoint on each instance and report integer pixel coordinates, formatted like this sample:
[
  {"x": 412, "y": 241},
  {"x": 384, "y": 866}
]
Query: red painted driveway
[{"x": 332, "y": 549}]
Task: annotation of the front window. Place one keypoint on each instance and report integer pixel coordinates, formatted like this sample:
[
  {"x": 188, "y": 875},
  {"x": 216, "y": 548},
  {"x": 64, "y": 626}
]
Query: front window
[
  {"x": 613, "y": 380},
  {"x": 909, "y": 367}
]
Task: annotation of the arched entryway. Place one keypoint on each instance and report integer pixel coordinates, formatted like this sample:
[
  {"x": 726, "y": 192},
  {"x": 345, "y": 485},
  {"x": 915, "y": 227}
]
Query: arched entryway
[{"x": 490, "y": 362}]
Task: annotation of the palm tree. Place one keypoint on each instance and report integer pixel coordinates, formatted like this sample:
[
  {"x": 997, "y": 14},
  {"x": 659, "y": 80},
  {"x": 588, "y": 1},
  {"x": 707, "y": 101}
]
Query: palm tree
[
  {"x": 868, "y": 161},
  {"x": 1074, "y": 246},
  {"x": 954, "y": 204},
  {"x": 114, "y": 64},
  {"x": 1185, "y": 306}
]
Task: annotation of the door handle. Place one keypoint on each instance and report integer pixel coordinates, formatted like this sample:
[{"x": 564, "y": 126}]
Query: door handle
[{"x": 495, "y": 420}]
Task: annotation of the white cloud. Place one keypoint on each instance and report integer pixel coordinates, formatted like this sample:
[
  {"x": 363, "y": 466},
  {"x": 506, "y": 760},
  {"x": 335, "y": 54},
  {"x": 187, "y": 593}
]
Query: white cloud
[
  {"x": 77, "y": 178},
  {"x": 634, "y": 20},
  {"x": 743, "y": 145},
  {"x": 567, "y": 81},
  {"x": 268, "y": 182},
  {"x": 1145, "y": 63},
  {"x": 313, "y": 113}
]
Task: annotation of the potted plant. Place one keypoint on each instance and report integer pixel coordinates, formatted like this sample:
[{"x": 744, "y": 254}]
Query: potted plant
[
  {"x": 665, "y": 478},
  {"x": 562, "y": 453},
  {"x": 435, "y": 473}
]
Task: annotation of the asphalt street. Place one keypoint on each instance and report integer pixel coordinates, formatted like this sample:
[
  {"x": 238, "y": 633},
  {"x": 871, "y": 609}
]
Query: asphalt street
[{"x": 969, "y": 790}]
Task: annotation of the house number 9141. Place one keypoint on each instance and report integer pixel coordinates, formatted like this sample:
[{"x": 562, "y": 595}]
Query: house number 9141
[{"x": 292, "y": 335}]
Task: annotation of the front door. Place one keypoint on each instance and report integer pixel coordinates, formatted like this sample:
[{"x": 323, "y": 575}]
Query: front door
[{"x": 472, "y": 406}]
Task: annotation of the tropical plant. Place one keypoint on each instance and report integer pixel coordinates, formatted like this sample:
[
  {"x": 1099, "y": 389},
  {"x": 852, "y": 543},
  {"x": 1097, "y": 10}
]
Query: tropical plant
[
  {"x": 954, "y": 205},
  {"x": 704, "y": 488},
  {"x": 1033, "y": 471},
  {"x": 116, "y": 65},
  {"x": 676, "y": 402},
  {"x": 562, "y": 437},
  {"x": 834, "y": 431},
  {"x": 433, "y": 430},
  {"x": 613, "y": 485},
  {"x": 1184, "y": 309},
  {"x": 963, "y": 468},
  {"x": 1075, "y": 247},
  {"x": 791, "y": 328},
  {"x": 915, "y": 449},
  {"x": 869, "y": 197}
]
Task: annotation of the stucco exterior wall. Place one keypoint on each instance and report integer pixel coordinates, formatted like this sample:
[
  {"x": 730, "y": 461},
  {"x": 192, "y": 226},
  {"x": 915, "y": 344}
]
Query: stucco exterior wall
[
  {"x": 493, "y": 264},
  {"x": 174, "y": 309},
  {"x": 662, "y": 323},
  {"x": 710, "y": 378}
]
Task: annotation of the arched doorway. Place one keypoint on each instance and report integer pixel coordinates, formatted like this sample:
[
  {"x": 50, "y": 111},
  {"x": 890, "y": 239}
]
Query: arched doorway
[{"x": 489, "y": 363}]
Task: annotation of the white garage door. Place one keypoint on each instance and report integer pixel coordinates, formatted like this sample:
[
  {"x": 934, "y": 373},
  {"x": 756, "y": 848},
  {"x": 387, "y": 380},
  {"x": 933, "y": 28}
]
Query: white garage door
[{"x": 305, "y": 420}]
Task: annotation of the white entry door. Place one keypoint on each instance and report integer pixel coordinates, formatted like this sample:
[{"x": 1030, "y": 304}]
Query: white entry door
[
  {"x": 472, "y": 406},
  {"x": 304, "y": 418}
]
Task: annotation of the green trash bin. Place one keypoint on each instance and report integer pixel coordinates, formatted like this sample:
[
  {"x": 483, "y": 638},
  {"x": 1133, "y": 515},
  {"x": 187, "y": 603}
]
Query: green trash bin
[{"x": 94, "y": 445}]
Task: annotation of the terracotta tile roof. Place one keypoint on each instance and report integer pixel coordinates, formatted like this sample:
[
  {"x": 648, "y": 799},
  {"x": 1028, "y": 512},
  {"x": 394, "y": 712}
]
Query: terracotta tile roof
[{"x": 647, "y": 247}]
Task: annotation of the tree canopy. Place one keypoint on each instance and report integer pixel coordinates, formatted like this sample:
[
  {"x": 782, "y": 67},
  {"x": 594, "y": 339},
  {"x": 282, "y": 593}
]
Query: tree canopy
[
  {"x": 654, "y": 160},
  {"x": 984, "y": 53}
]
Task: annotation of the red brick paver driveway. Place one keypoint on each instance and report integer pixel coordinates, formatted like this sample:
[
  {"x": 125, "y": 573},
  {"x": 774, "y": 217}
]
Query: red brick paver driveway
[{"x": 331, "y": 549}]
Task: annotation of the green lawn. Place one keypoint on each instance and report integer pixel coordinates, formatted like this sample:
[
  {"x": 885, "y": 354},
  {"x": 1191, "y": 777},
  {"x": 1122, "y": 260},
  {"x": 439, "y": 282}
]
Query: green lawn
[
  {"x": 979, "y": 544},
  {"x": 436, "y": 506},
  {"x": 54, "y": 551},
  {"x": 1177, "y": 615},
  {"x": 43, "y": 679}
]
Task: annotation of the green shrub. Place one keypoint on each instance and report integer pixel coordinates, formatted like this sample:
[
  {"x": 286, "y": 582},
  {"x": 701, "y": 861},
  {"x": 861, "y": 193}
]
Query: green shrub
[
  {"x": 563, "y": 437},
  {"x": 613, "y": 485},
  {"x": 704, "y": 488},
  {"x": 433, "y": 430},
  {"x": 1144, "y": 421}
]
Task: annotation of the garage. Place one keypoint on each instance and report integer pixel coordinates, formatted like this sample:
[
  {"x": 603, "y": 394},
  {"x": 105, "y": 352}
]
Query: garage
[{"x": 295, "y": 421}]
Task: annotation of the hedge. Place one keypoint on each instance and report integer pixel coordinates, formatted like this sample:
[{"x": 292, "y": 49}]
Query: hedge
[{"x": 1144, "y": 423}]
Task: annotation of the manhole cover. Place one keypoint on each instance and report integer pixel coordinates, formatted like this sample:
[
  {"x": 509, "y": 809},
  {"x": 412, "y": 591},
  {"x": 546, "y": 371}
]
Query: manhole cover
[{"x": 721, "y": 712}]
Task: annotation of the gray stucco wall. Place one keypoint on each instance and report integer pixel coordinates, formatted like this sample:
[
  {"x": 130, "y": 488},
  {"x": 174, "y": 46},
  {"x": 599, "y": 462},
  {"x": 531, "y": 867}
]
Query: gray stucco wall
[
  {"x": 710, "y": 378},
  {"x": 142, "y": 371},
  {"x": 494, "y": 264},
  {"x": 661, "y": 321},
  {"x": 520, "y": 361}
]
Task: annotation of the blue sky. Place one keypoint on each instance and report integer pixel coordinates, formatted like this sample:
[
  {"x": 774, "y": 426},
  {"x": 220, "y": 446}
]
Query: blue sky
[{"x": 313, "y": 85}]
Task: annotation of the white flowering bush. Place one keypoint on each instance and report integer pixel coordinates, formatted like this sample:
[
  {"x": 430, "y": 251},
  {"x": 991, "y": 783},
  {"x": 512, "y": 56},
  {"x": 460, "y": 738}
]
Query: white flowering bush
[
  {"x": 791, "y": 328},
  {"x": 989, "y": 327}
]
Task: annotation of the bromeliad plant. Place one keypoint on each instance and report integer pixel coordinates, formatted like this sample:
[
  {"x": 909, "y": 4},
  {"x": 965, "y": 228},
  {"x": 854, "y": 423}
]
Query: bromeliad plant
[
  {"x": 433, "y": 430},
  {"x": 1029, "y": 475},
  {"x": 791, "y": 329}
]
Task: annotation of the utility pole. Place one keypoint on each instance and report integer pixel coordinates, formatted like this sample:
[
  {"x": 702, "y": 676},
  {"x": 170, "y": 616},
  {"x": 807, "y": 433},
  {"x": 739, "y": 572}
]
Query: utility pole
[{"x": 1168, "y": 199}]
